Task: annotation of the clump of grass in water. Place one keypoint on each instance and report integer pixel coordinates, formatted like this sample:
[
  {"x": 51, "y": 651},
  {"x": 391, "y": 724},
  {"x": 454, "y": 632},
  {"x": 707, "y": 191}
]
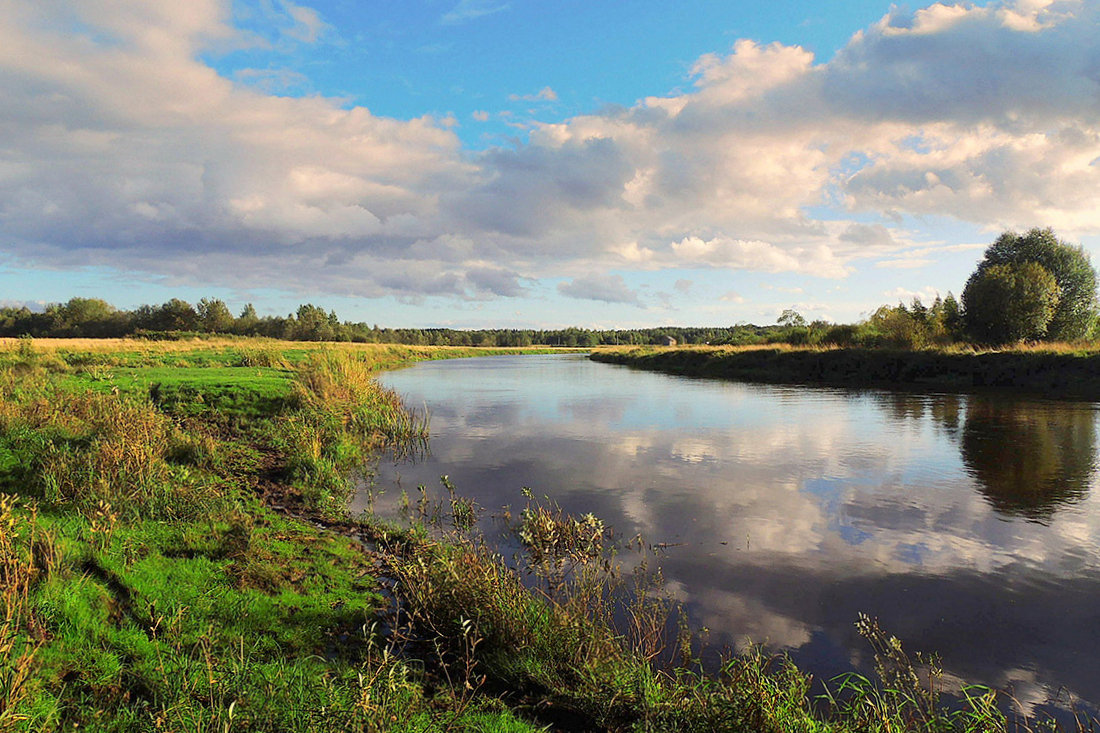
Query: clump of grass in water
[
  {"x": 342, "y": 416},
  {"x": 902, "y": 700},
  {"x": 564, "y": 642}
]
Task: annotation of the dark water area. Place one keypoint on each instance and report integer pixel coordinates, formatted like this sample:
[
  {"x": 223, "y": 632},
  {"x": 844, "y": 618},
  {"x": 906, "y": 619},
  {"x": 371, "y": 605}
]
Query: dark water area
[{"x": 968, "y": 524}]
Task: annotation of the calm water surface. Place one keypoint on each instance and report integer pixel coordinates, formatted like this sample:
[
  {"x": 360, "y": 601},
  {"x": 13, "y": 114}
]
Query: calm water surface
[{"x": 969, "y": 525}]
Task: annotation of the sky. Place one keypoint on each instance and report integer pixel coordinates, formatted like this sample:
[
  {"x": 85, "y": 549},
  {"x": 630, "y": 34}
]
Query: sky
[{"x": 513, "y": 163}]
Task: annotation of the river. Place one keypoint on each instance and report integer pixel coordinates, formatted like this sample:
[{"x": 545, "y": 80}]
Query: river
[{"x": 967, "y": 524}]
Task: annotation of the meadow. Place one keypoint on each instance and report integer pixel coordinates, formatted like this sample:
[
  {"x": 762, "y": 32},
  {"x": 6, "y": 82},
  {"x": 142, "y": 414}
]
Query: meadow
[{"x": 175, "y": 555}]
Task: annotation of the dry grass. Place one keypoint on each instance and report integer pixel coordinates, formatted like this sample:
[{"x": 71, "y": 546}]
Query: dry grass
[
  {"x": 1083, "y": 348},
  {"x": 144, "y": 346},
  {"x": 125, "y": 456},
  {"x": 20, "y": 542},
  {"x": 118, "y": 344}
]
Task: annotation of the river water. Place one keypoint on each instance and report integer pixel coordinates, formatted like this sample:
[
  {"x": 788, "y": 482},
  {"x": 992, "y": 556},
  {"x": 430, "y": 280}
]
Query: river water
[{"x": 968, "y": 524}]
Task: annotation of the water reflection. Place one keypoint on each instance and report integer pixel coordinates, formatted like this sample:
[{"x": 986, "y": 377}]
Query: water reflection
[
  {"x": 1029, "y": 458},
  {"x": 795, "y": 509}
]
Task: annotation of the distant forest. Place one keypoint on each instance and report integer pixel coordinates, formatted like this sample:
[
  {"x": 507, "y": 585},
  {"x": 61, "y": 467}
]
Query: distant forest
[{"x": 900, "y": 326}]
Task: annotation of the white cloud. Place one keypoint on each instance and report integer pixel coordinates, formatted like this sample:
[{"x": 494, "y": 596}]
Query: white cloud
[
  {"x": 927, "y": 295},
  {"x": 35, "y": 306},
  {"x": 755, "y": 255},
  {"x": 123, "y": 148},
  {"x": 308, "y": 25},
  {"x": 467, "y": 10},
  {"x": 904, "y": 263},
  {"x": 480, "y": 115},
  {"x": 273, "y": 81}
]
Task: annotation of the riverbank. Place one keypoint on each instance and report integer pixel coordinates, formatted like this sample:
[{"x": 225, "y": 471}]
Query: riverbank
[
  {"x": 166, "y": 557},
  {"x": 174, "y": 555},
  {"x": 1053, "y": 372}
]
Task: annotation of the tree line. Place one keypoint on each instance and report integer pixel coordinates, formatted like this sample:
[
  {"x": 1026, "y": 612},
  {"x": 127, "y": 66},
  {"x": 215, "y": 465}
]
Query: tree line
[
  {"x": 96, "y": 318},
  {"x": 1027, "y": 287}
]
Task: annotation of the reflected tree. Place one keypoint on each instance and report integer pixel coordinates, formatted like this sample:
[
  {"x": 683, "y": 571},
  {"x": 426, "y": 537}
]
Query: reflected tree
[
  {"x": 944, "y": 409},
  {"x": 1029, "y": 458},
  {"x": 947, "y": 411}
]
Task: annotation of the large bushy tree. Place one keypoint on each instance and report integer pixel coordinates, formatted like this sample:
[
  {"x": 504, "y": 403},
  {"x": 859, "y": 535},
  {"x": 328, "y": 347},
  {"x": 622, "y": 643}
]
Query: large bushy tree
[
  {"x": 1011, "y": 302},
  {"x": 1076, "y": 308},
  {"x": 87, "y": 317}
]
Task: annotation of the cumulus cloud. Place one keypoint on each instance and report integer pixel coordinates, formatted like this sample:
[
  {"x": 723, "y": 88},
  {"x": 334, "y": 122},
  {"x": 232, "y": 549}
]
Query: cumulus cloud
[
  {"x": 605, "y": 288},
  {"x": 273, "y": 81},
  {"x": 496, "y": 281},
  {"x": 35, "y": 306},
  {"x": 737, "y": 254},
  {"x": 124, "y": 148},
  {"x": 904, "y": 263}
]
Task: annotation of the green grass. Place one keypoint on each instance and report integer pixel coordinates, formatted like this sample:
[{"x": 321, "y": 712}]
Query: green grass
[
  {"x": 229, "y": 390},
  {"x": 157, "y": 592},
  {"x": 175, "y": 556}
]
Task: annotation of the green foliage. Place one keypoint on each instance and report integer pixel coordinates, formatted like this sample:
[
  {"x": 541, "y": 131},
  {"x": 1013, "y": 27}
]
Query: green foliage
[
  {"x": 1073, "y": 274},
  {"x": 214, "y": 316},
  {"x": 791, "y": 317},
  {"x": 1007, "y": 303},
  {"x": 86, "y": 317}
]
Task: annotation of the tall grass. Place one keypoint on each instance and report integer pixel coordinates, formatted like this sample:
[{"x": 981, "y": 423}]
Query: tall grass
[
  {"x": 26, "y": 553},
  {"x": 342, "y": 415},
  {"x": 84, "y": 449}
]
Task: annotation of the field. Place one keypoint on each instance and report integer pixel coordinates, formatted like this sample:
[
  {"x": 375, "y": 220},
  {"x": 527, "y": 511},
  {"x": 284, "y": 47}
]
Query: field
[{"x": 175, "y": 556}]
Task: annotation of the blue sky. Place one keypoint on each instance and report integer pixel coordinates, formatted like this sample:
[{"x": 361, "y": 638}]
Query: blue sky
[{"x": 511, "y": 163}]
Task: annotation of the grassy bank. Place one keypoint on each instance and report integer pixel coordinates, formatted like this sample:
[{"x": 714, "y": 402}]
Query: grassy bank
[
  {"x": 1051, "y": 370},
  {"x": 174, "y": 556}
]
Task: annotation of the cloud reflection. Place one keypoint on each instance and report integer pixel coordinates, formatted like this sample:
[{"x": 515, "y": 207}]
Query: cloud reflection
[{"x": 792, "y": 510}]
